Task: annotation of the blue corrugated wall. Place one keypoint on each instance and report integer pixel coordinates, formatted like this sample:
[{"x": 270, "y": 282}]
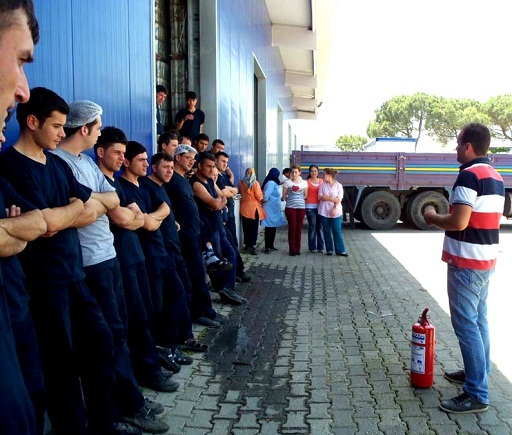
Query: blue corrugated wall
[{"x": 99, "y": 50}]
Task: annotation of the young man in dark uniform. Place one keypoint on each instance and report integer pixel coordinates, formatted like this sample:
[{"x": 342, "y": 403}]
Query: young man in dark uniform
[
  {"x": 170, "y": 309},
  {"x": 110, "y": 150},
  {"x": 19, "y": 31}
]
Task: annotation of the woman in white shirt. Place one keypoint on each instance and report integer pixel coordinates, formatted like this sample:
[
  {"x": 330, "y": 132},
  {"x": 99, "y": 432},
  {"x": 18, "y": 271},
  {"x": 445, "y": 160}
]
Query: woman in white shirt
[{"x": 295, "y": 191}]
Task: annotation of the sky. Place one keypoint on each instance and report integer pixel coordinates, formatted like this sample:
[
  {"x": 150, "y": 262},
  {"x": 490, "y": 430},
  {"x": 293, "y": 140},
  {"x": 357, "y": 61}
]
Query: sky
[{"x": 385, "y": 48}]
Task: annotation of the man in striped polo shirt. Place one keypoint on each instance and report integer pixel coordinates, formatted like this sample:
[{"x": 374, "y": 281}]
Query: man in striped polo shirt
[{"x": 470, "y": 249}]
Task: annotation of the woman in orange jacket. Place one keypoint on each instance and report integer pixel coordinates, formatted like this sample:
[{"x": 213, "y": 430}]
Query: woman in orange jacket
[{"x": 250, "y": 209}]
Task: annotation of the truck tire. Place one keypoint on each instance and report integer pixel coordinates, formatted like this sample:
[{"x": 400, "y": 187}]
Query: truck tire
[
  {"x": 380, "y": 210},
  {"x": 417, "y": 204}
]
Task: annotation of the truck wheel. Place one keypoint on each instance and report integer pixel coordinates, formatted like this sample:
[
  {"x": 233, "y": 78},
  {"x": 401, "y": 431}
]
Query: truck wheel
[
  {"x": 417, "y": 204},
  {"x": 380, "y": 210}
]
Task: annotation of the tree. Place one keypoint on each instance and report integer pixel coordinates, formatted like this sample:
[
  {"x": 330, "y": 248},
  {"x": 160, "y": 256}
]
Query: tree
[
  {"x": 449, "y": 115},
  {"x": 351, "y": 143},
  {"x": 402, "y": 116},
  {"x": 499, "y": 110}
]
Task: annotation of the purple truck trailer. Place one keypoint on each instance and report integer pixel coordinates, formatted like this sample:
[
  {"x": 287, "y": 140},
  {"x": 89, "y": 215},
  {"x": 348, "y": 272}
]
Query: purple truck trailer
[{"x": 384, "y": 187}]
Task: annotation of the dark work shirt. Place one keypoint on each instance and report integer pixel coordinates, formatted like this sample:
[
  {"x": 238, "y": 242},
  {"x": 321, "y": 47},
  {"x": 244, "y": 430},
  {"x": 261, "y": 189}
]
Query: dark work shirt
[
  {"x": 211, "y": 218},
  {"x": 190, "y": 128},
  {"x": 126, "y": 242},
  {"x": 223, "y": 182},
  {"x": 185, "y": 208},
  {"x": 151, "y": 241},
  {"x": 56, "y": 259},
  {"x": 168, "y": 227},
  {"x": 13, "y": 276}
]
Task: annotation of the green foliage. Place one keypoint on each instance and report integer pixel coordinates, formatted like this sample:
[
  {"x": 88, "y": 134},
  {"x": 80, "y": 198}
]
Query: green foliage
[
  {"x": 440, "y": 118},
  {"x": 351, "y": 143}
]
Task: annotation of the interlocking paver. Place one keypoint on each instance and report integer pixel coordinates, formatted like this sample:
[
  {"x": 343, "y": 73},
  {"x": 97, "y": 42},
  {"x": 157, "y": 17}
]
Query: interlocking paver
[{"x": 323, "y": 347}]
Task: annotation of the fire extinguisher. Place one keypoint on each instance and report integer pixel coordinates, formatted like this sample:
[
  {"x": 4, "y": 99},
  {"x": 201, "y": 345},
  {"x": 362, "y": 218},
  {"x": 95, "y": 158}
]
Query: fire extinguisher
[{"x": 422, "y": 352}]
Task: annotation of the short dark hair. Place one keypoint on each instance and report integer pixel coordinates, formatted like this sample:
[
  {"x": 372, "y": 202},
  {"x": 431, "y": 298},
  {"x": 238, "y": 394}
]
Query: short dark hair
[
  {"x": 477, "y": 135},
  {"x": 216, "y": 141},
  {"x": 221, "y": 154},
  {"x": 166, "y": 137},
  {"x": 161, "y": 88},
  {"x": 286, "y": 171},
  {"x": 158, "y": 157},
  {"x": 7, "y": 9},
  {"x": 133, "y": 149},
  {"x": 295, "y": 167},
  {"x": 190, "y": 95},
  {"x": 109, "y": 136},
  {"x": 41, "y": 104},
  {"x": 201, "y": 136},
  {"x": 202, "y": 157}
]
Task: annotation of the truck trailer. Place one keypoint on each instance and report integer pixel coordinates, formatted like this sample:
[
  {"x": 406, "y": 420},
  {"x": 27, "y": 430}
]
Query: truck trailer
[{"x": 384, "y": 187}]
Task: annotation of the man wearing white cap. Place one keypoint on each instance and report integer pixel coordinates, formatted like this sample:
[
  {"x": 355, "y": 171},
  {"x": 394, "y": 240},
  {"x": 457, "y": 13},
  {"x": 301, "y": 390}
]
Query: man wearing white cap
[{"x": 101, "y": 267}]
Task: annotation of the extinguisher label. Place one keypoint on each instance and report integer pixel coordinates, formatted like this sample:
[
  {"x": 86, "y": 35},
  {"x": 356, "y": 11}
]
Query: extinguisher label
[
  {"x": 419, "y": 338},
  {"x": 418, "y": 359}
]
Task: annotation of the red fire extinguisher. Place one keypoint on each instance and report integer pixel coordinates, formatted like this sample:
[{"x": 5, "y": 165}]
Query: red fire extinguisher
[{"x": 422, "y": 352}]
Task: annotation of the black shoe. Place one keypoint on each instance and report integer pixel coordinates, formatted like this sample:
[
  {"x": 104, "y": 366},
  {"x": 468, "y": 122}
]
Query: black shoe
[
  {"x": 166, "y": 357},
  {"x": 463, "y": 404},
  {"x": 457, "y": 377},
  {"x": 146, "y": 420},
  {"x": 343, "y": 254},
  {"x": 328, "y": 253},
  {"x": 205, "y": 321},
  {"x": 124, "y": 429},
  {"x": 163, "y": 384},
  {"x": 243, "y": 277},
  {"x": 221, "y": 318},
  {"x": 273, "y": 249},
  {"x": 230, "y": 297},
  {"x": 182, "y": 358},
  {"x": 252, "y": 251},
  {"x": 155, "y": 407},
  {"x": 266, "y": 251}
]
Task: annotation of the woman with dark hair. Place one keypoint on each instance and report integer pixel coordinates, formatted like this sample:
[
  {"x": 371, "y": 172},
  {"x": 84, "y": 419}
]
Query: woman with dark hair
[
  {"x": 250, "y": 209},
  {"x": 315, "y": 237},
  {"x": 272, "y": 207},
  {"x": 295, "y": 191},
  {"x": 330, "y": 195}
]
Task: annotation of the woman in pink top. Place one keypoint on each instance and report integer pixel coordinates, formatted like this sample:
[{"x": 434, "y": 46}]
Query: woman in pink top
[
  {"x": 315, "y": 237},
  {"x": 330, "y": 195}
]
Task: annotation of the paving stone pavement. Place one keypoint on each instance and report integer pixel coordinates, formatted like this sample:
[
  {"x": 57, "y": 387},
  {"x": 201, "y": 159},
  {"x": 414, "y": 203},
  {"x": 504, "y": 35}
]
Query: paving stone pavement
[{"x": 323, "y": 347}]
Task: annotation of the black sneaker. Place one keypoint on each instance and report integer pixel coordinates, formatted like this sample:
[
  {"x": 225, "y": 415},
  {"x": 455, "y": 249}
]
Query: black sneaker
[
  {"x": 243, "y": 277},
  {"x": 463, "y": 404},
  {"x": 166, "y": 357},
  {"x": 221, "y": 318},
  {"x": 205, "y": 321},
  {"x": 182, "y": 358},
  {"x": 230, "y": 297},
  {"x": 163, "y": 384},
  {"x": 124, "y": 429},
  {"x": 155, "y": 407},
  {"x": 457, "y": 377},
  {"x": 147, "y": 421}
]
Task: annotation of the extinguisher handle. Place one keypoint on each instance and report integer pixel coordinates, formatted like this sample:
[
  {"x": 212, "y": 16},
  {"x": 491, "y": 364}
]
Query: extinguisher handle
[{"x": 423, "y": 319}]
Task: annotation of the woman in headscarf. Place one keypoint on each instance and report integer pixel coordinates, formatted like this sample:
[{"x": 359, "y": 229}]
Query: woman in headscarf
[
  {"x": 250, "y": 209},
  {"x": 272, "y": 207}
]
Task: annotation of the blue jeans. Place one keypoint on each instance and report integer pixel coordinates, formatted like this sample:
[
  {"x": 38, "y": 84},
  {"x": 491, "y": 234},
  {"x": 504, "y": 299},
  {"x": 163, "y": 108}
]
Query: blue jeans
[
  {"x": 332, "y": 230},
  {"x": 467, "y": 294},
  {"x": 315, "y": 237}
]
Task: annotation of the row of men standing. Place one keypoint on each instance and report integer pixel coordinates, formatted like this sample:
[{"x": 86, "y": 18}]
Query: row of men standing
[{"x": 89, "y": 285}]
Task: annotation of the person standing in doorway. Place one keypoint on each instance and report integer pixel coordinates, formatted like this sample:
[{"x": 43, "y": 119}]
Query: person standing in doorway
[
  {"x": 161, "y": 96},
  {"x": 189, "y": 121},
  {"x": 470, "y": 249}
]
